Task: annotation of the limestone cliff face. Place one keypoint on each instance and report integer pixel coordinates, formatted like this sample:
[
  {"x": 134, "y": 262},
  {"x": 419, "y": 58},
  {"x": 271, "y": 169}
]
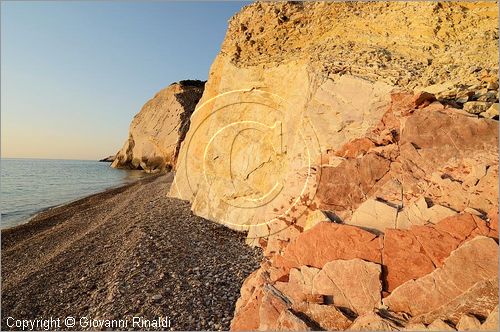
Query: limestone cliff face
[
  {"x": 406, "y": 44},
  {"x": 295, "y": 82},
  {"x": 157, "y": 131},
  {"x": 357, "y": 143}
]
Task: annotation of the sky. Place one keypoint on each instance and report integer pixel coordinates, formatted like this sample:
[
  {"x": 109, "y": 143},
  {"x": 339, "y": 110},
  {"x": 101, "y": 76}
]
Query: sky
[{"x": 73, "y": 74}]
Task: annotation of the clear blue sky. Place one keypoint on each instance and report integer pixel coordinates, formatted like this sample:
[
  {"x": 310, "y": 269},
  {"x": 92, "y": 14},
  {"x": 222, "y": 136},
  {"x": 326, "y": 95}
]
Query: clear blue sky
[{"x": 73, "y": 74}]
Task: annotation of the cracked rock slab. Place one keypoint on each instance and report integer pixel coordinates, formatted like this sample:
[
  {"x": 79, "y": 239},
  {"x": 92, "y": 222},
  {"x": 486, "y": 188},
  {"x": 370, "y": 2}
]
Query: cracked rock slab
[
  {"x": 413, "y": 253},
  {"x": 374, "y": 215},
  {"x": 328, "y": 317},
  {"x": 328, "y": 241},
  {"x": 351, "y": 284},
  {"x": 473, "y": 262}
]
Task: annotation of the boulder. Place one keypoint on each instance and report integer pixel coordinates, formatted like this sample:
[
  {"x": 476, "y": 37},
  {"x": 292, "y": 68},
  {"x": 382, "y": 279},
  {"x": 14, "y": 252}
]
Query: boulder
[
  {"x": 404, "y": 258},
  {"x": 439, "y": 325},
  {"x": 270, "y": 310},
  {"x": 299, "y": 286},
  {"x": 478, "y": 300},
  {"x": 157, "y": 131},
  {"x": 345, "y": 186},
  {"x": 371, "y": 321},
  {"x": 246, "y": 313},
  {"x": 450, "y": 290},
  {"x": 328, "y": 241},
  {"x": 360, "y": 294},
  {"x": 419, "y": 213},
  {"x": 327, "y": 317},
  {"x": 375, "y": 215},
  {"x": 413, "y": 253},
  {"x": 288, "y": 321}
]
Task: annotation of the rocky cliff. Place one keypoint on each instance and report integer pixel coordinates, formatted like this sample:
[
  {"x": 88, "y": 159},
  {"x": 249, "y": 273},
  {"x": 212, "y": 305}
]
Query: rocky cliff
[
  {"x": 357, "y": 143},
  {"x": 156, "y": 132}
]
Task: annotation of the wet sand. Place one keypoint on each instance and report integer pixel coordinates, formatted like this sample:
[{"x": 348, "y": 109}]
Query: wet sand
[{"x": 123, "y": 253}]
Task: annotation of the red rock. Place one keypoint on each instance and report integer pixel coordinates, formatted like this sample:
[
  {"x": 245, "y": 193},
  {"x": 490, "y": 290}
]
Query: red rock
[
  {"x": 345, "y": 186},
  {"x": 351, "y": 284},
  {"x": 327, "y": 242},
  {"x": 402, "y": 102},
  {"x": 436, "y": 244},
  {"x": 246, "y": 314},
  {"x": 355, "y": 148},
  {"x": 288, "y": 321},
  {"x": 463, "y": 226},
  {"x": 270, "y": 310},
  {"x": 328, "y": 317},
  {"x": 444, "y": 291},
  {"x": 413, "y": 253},
  {"x": 493, "y": 223},
  {"x": 424, "y": 98},
  {"x": 299, "y": 285},
  {"x": 404, "y": 258},
  {"x": 246, "y": 318},
  {"x": 477, "y": 300},
  {"x": 441, "y": 135},
  {"x": 371, "y": 321}
]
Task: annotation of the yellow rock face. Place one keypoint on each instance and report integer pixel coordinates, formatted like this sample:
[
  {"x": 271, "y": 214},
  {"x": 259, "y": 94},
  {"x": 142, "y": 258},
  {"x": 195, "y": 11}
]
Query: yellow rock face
[{"x": 294, "y": 82}]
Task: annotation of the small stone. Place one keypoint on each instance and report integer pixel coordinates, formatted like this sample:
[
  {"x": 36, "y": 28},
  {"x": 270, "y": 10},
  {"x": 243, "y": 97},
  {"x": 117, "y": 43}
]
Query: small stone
[
  {"x": 462, "y": 99},
  {"x": 489, "y": 96},
  {"x": 156, "y": 297},
  {"x": 315, "y": 218},
  {"x": 491, "y": 112},
  {"x": 492, "y": 86},
  {"x": 476, "y": 107}
]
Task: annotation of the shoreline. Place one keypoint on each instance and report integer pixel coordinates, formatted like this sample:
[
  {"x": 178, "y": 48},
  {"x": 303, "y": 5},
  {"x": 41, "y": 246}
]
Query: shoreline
[
  {"x": 122, "y": 253},
  {"x": 30, "y": 217}
]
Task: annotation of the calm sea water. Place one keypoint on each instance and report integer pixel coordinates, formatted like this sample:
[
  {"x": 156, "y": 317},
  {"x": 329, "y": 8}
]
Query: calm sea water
[{"x": 30, "y": 185}]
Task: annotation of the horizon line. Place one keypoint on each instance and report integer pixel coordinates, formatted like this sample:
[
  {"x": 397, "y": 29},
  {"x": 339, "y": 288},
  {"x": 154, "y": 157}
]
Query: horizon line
[{"x": 46, "y": 158}]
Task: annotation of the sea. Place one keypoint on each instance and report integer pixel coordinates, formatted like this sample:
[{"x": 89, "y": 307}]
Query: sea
[{"x": 28, "y": 186}]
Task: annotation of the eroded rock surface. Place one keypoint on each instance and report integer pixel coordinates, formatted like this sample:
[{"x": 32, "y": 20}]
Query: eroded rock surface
[
  {"x": 157, "y": 131},
  {"x": 470, "y": 272},
  {"x": 337, "y": 133}
]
